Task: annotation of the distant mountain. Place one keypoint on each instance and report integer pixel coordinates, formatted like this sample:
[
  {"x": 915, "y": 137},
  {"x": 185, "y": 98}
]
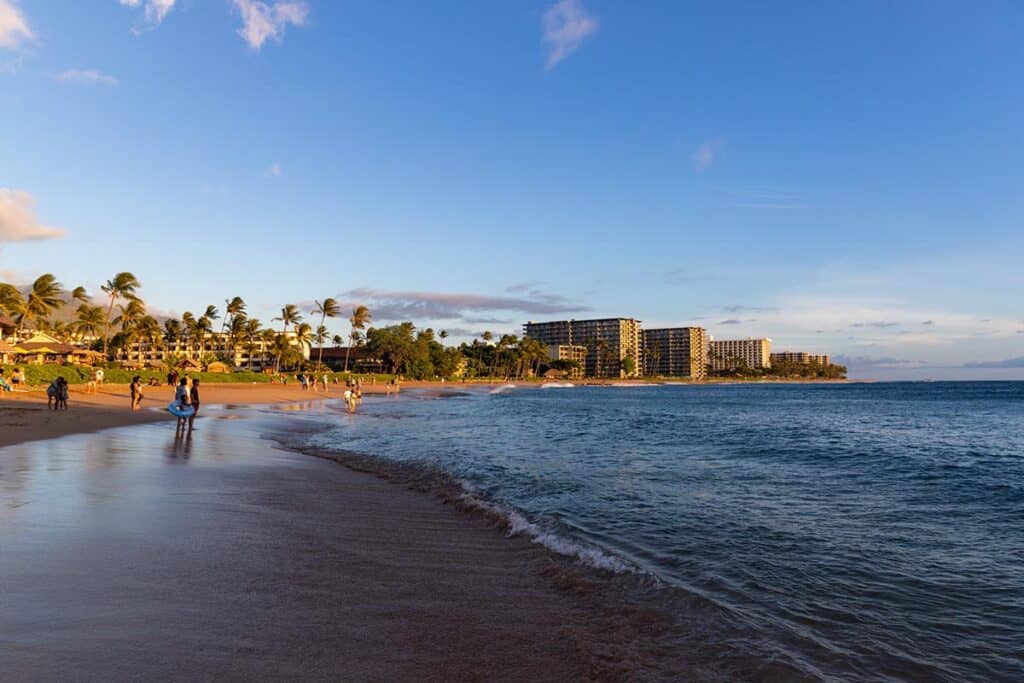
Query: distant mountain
[{"x": 1017, "y": 362}]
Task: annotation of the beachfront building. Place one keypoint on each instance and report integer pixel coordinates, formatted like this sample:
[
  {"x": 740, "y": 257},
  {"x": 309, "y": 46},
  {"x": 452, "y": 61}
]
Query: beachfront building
[
  {"x": 41, "y": 348},
  {"x": 576, "y": 353},
  {"x": 725, "y": 355},
  {"x": 676, "y": 352},
  {"x": 241, "y": 353},
  {"x": 359, "y": 358},
  {"x": 799, "y": 358},
  {"x": 614, "y": 345}
]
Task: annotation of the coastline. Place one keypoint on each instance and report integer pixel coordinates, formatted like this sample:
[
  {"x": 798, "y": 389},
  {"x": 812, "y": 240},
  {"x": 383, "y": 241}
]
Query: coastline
[{"x": 229, "y": 556}]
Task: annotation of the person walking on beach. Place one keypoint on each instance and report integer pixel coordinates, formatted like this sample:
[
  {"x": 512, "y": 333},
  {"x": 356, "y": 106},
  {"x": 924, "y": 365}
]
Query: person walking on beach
[
  {"x": 52, "y": 392},
  {"x": 62, "y": 394},
  {"x": 194, "y": 398},
  {"x": 136, "y": 391},
  {"x": 181, "y": 397}
]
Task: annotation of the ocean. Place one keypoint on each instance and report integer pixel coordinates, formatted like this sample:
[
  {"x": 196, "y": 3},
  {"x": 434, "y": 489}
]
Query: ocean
[{"x": 784, "y": 532}]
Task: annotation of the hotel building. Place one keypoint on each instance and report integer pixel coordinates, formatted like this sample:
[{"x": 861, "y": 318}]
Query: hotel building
[
  {"x": 676, "y": 352},
  {"x": 800, "y": 358},
  {"x": 608, "y": 343},
  {"x": 730, "y": 354}
]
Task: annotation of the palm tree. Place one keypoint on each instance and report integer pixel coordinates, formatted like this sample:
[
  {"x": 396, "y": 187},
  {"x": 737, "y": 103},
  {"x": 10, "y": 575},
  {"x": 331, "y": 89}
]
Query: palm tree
[
  {"x": 172, "y": 331},
  {"x": 252, "y": 332},
  {"x": 289, "y": 316},
  {"x": 204, "y": 326},
  {"x": 189, "y": 326},
  {"x": 80, "y": 295},
  {"x": 269, "y": 338},
  {"x": 11, "y": 300},
  {"x": 131, "y": 313},
  {"x": 328, "y": 309},
  {"x": 88, "y": 320},
  {"x": 43, "y": 297},
  {"x": 121, "y": 286},
  {"x": 148, "y": 331},
  {"x": 486, "y": 336},
  {"x": 232, "y": 309},
  {"x": 337, "y": 340},
  {"x": 303, "y": 335},
  {"x": 321, "y": 338},
  {"x": 236, "y": 332},
  {"x": 361, "y": 317}
]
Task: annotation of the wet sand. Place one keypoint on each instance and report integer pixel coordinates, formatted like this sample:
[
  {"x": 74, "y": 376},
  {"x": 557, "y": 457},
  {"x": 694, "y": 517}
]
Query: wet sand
[
  {"x": 24, "y": 415},
  {"x": 128, "y": 554}
]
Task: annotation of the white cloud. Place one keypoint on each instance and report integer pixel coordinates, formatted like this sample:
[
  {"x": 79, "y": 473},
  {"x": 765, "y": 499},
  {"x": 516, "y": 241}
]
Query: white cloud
[
  {"x": 154, "y": 11},
  {"x": 14, "y": 28},
  {"x": 18, "y": 222},
  {"x": 267, "y": 20},
  {"x": 86, "y": 77},
  {"x": 566, "y": 26},
  {"x": 706, "y": 154},
  {"x": 274, "y": 171}
]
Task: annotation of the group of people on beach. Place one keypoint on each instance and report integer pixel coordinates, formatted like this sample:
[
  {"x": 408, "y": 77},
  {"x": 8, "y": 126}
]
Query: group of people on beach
[
  {"x": 313, "y": 383},
  {"x": 186, "y": 400},
  {"x": 17, "y": 378},
  {"x": 57, "y": 394}
]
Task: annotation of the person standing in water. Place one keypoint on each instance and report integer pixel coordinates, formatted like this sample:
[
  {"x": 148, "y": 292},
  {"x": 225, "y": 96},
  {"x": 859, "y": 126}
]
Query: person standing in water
[
  {"x": 181, "y": 397},
  {"x": 136, "y": 390},
  {"x": 194, "y": 396}
]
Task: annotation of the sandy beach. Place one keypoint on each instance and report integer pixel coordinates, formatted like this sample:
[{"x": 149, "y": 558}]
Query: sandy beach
[
  {"x": 24, "y": 415},
  {"x": 131, "y": 554}
]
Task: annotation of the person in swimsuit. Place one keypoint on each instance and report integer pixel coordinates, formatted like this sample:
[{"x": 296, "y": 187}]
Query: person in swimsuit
[
  {"x": 136, "y": 390},
  {"x": 194, "y": 396},
  {"x": 181, "y": 398}
]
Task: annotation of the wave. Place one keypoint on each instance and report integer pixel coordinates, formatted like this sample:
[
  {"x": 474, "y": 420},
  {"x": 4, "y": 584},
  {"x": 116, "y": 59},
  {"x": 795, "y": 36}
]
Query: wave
[
  {"x": 557, "y": 385},
  {"x": 502, "y": 389},
  {"x": 516, "y": 524}
]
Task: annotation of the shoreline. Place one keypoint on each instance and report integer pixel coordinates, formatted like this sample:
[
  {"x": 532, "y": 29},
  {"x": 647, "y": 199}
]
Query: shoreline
[
  {"x": 287, "y": 565},
  {"x": 24, "y": 415}
]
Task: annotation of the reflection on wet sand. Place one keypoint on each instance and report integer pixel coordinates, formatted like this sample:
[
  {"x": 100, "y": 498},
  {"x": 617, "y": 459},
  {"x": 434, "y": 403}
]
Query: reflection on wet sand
[{"x": 119, "y": 563}]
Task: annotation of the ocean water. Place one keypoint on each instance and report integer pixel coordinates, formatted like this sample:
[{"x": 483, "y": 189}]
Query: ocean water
[{"x": 846, "y": 532}]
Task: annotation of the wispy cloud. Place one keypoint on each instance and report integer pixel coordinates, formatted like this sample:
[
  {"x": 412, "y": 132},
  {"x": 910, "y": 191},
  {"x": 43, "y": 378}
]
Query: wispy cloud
[
  {"x": 876, "y": 323},
  {"x": 153, "y": 12},
  {"x": 14, "y": 28},
  {"x": 419, "y": 305},
  {"x": 86, "y": 77},
  {"x": 263, "y": 21},
  {"x": 706, "y": 154},
  {"x": 18, "y": 222},
  {"x": 566, "y": 25}
]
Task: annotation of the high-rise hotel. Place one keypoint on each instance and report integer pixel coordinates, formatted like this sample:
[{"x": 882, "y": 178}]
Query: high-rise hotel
[
  {"x": 676, "y": 352},
  {"x": 730, "y": 354},
  {"x": 609, "y": 342}
]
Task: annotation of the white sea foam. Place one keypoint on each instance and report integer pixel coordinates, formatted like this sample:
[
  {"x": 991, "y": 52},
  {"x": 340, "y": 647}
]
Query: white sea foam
[
  {"x": 518, "y": 525},
  {"x": 557, "y": 385},
  {"x": 503, "y": 388}
]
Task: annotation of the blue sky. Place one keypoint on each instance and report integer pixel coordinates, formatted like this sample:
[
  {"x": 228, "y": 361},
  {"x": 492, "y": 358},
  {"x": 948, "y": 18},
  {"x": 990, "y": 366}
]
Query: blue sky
[{"x": 843, "y": 178}]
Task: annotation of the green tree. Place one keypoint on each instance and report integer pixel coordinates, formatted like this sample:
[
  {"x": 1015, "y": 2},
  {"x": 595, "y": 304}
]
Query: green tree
[
  {"x": 121, "y": 286},
  {"x": 328, "y": 308},
  {"x": 289, "y": 316},
  {"x": 89, "y": 320},
  {"x": 43, "y": 296},
  {"x": 358, "y": 321}
]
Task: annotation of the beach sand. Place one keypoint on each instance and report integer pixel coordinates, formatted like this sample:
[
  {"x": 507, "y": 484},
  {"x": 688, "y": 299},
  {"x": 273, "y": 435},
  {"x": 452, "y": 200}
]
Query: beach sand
[
  {"x": 129, "y": 554},
  {"x": 24, "y": 415}
]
